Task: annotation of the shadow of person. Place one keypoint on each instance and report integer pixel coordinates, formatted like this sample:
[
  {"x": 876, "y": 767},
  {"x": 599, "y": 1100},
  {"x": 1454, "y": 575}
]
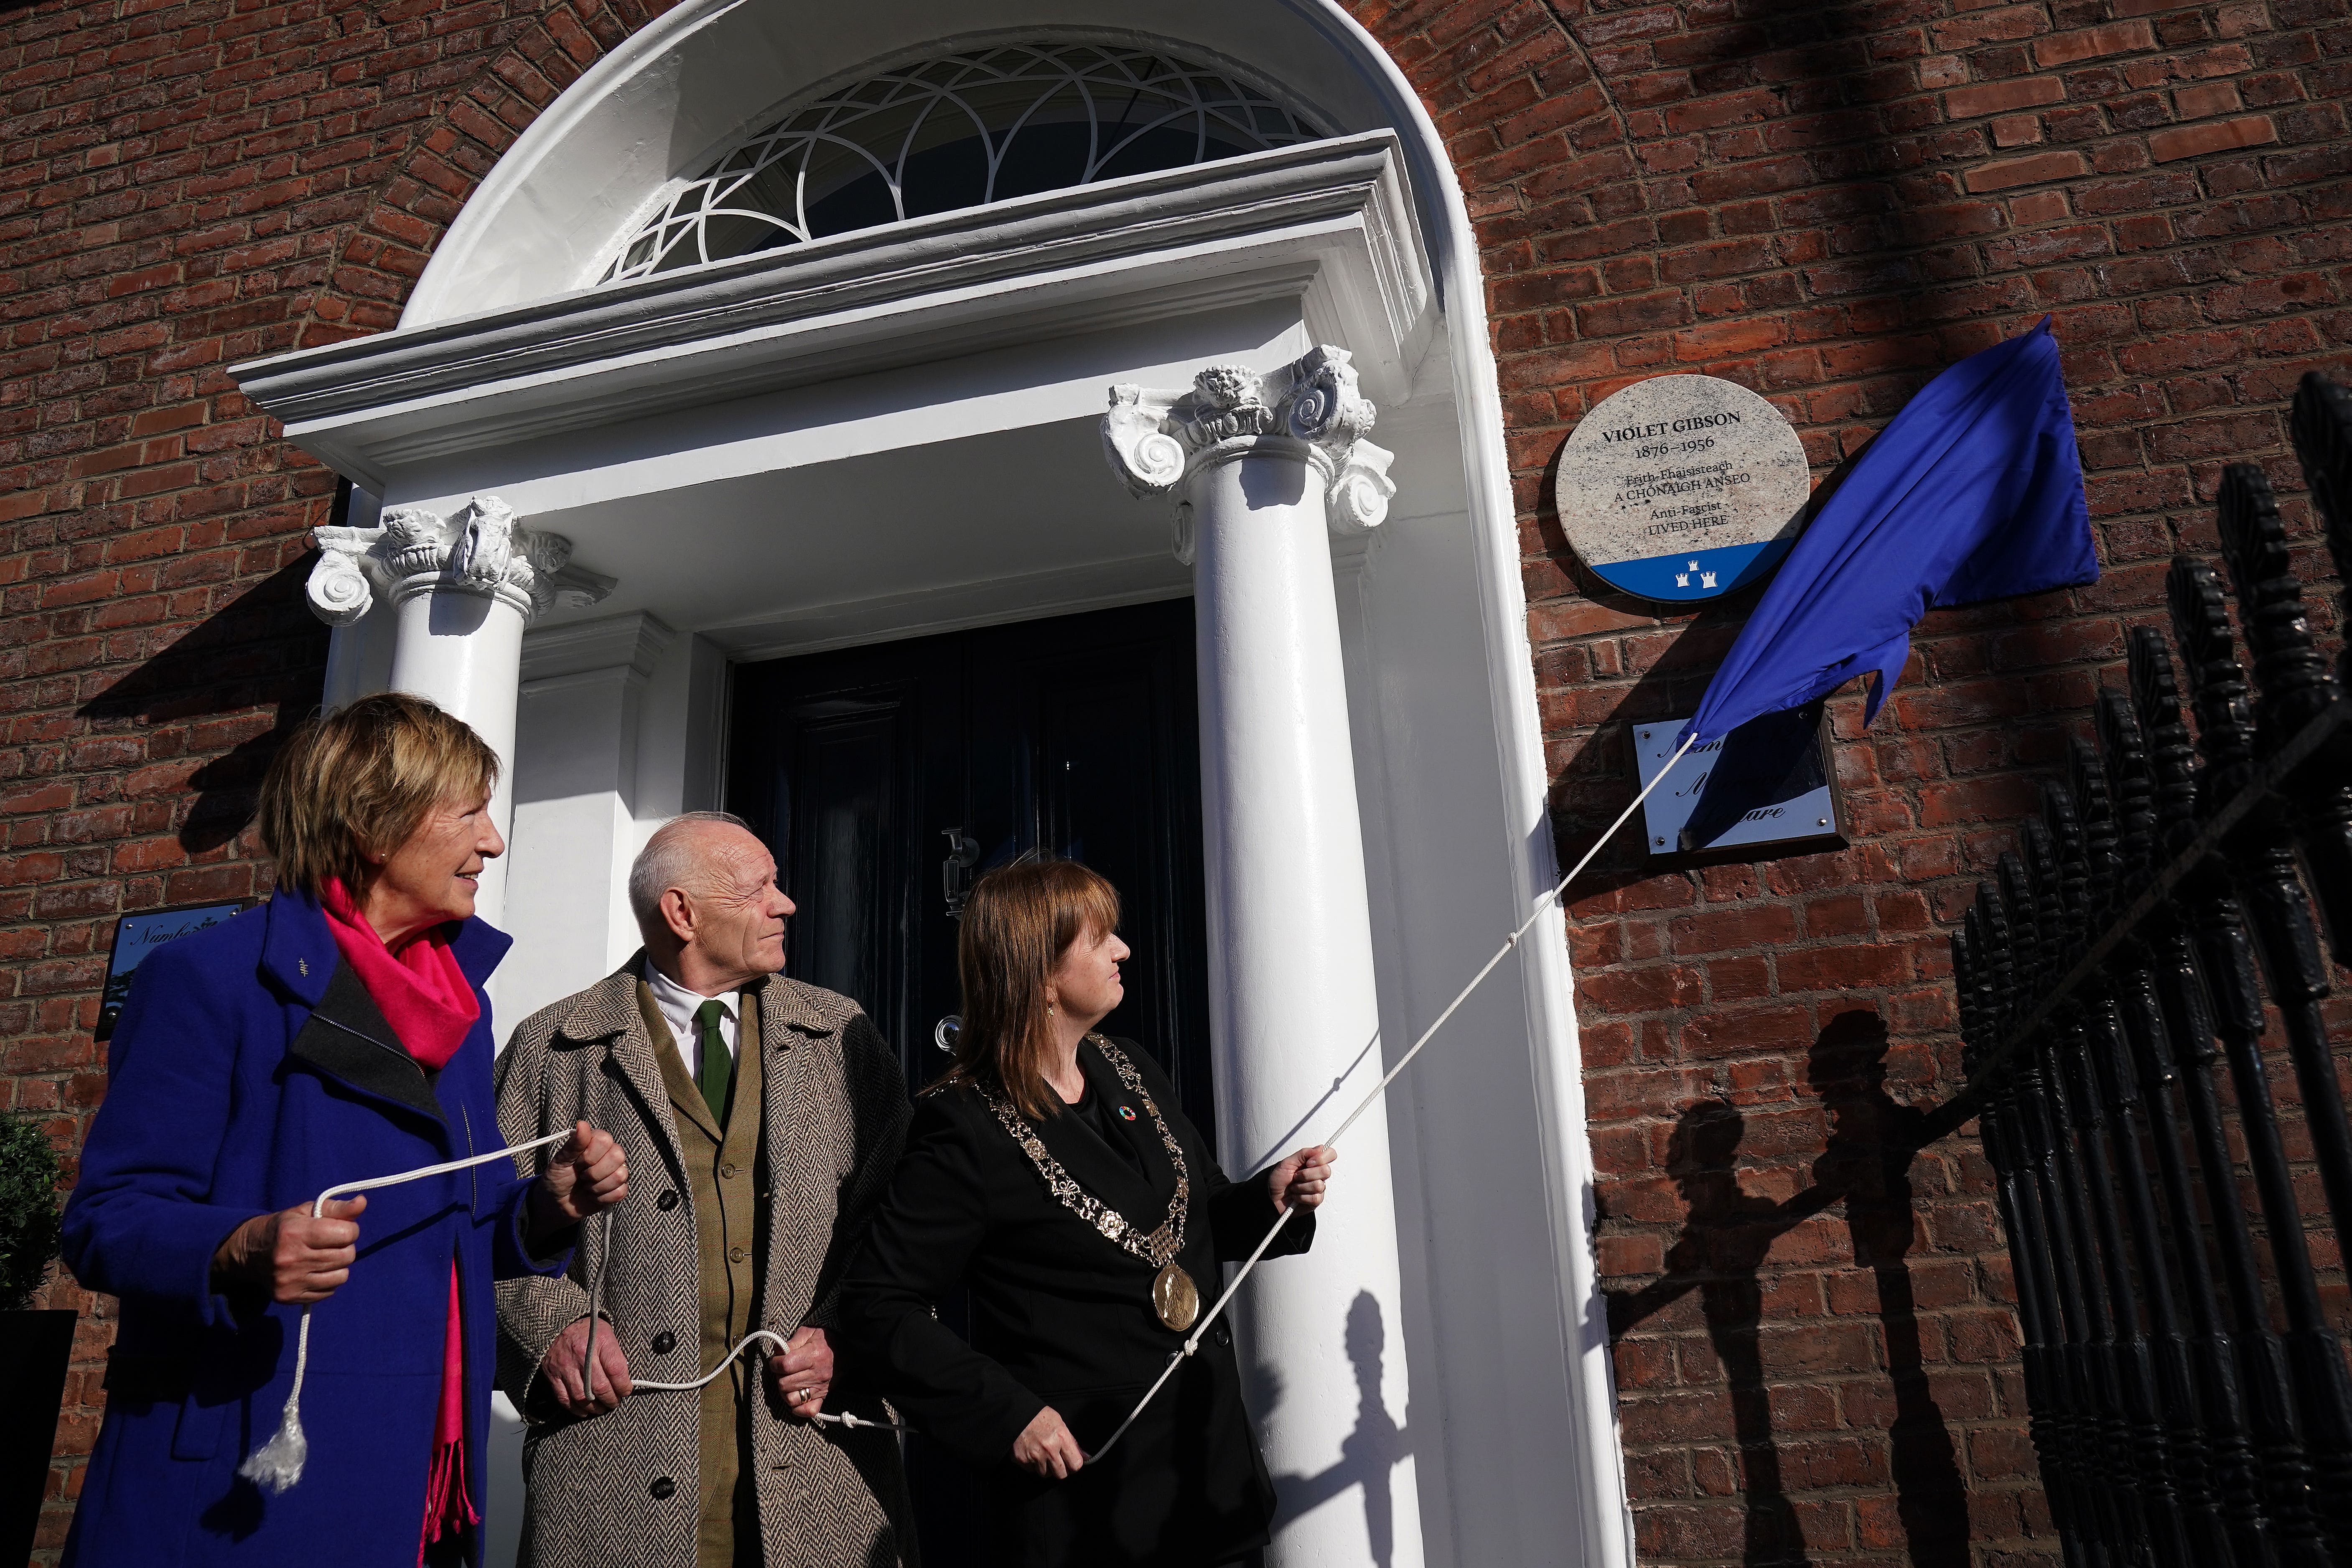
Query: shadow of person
[
  {"x": 1867, "y": 1162},
  {"x": 1726, "y": 1234},
  {"x": 1370, "y": 1455}
]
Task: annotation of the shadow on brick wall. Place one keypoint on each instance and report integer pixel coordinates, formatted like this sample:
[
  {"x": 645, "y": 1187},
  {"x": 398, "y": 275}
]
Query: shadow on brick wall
[
  {"x": 235, "y": 684},
  {"x": 1728, "y": 1234}
]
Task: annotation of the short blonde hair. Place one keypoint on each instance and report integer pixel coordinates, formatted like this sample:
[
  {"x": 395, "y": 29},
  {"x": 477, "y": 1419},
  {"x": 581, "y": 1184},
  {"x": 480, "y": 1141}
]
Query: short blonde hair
[
  {"x": 359, "y": 781},
  {"x": 1017, "y": 924}
]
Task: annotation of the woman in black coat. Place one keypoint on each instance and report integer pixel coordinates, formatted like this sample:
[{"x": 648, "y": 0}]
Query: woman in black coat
[{"x": 1052, "y": 1175}]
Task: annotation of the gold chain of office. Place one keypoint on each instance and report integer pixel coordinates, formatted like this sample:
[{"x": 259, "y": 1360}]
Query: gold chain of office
[{"x": 1158, "y": 1247}]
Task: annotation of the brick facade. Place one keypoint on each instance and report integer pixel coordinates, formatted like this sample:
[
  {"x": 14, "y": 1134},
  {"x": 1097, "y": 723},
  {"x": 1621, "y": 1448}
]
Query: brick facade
[
  {"x": 1825, "y": 202},
  {"x": 1815, "y": 1352}
]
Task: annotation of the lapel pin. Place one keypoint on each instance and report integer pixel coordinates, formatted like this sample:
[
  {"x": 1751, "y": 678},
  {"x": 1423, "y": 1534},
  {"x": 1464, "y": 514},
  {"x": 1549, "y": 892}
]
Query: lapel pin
[
  {"x": 1126, "y": 1113},
  {"x": 304, "y": 965}
]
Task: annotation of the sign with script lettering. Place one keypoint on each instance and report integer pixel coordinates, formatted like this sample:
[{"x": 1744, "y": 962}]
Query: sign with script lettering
[
  {"x": 1763, "y": 791},
  {"x": 1683, "y": 488},
  {"x": 136, "y": 936}
]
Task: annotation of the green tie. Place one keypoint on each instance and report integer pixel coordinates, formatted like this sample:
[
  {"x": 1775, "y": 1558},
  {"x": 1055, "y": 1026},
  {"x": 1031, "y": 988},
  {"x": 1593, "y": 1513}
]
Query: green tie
[{"x": 718, "y": 1074}]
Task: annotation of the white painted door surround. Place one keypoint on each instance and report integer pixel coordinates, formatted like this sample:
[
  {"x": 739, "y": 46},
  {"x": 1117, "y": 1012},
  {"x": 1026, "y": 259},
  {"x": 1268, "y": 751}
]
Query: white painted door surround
[
  {"x": 460, "y": 591},
  {"x": 1263, "y": 468},
  {"x": 896, "y": 431}
]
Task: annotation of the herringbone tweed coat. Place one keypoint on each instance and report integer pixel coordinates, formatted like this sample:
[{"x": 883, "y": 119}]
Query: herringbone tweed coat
[{"x": 835, "y": 1110}]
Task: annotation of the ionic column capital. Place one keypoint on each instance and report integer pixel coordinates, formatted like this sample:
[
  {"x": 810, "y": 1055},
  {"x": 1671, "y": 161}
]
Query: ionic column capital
[
  {"x": 481, "y": 550},
  {"x": 1308, "y": 410}
]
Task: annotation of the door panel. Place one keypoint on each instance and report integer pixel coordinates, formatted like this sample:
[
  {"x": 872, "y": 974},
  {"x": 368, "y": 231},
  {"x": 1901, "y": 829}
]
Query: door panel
[{"x": 1079, "y": 735}]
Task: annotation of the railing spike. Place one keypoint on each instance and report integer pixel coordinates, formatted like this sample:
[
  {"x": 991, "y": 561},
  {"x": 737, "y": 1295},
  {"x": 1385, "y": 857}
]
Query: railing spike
[
  {"x": 2321, "y": 426},
  {"x": 2292, "y": 679},
  {"x": 2225, "y": 722},
  {"x": 2134, "y": 783},
  {"x": 2171, "y": 754}
]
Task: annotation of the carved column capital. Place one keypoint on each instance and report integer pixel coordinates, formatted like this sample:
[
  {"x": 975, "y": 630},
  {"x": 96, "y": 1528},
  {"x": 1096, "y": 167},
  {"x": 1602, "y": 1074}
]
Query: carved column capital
[
  {"x": 1308, "y": 410},
  {"x": 481, "y": 550}
]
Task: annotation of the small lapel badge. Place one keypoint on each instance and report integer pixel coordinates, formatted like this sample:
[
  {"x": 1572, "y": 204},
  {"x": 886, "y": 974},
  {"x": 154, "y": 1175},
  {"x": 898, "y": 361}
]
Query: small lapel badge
[
  {"x": 304, "y": 965},
  {"x": 1126, "y": 1113}
]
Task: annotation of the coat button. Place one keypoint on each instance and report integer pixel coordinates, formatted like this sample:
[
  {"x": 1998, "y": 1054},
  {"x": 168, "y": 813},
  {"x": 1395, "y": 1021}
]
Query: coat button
[
  {"x": 726, "y": 1173},
  {"x": 665, "y": 1342},
  {"x": 1221, "y": 1334},
  {"x": 668, "y": 1200},
  {"x": 663, "y": 1487},
  {"x": 736, "y": 1255}
]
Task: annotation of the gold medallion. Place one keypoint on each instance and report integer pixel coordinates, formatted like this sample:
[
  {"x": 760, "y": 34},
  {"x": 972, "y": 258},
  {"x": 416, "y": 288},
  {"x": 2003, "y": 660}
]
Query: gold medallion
[{"x": 1175, "y": 1298}]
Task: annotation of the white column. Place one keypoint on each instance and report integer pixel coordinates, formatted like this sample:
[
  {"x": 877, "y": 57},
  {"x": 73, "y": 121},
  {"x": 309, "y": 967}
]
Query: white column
[
  {"x": 1262, "y": 467},
  {"x": 460, "y": 589}
]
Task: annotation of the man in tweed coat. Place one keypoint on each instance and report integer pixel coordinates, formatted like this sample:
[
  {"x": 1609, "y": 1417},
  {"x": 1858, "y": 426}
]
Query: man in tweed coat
[{"x": 768, "y": 1115}]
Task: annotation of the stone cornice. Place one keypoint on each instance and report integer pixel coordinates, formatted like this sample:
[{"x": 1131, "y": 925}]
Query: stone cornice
[
  {"x": 1330, "y": 221},
  {"x": 631, "y": 643}
]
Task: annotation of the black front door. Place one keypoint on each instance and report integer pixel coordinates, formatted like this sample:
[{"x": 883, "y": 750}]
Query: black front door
[{"x": 886, "y": 778}]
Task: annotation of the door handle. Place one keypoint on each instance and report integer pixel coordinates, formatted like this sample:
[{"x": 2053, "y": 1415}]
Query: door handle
[{"x": 955, "y": 871}]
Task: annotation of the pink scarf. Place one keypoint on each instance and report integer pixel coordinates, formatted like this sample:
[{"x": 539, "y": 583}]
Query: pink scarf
[
  {"x": 420, "y": 990},
  {"x": 430, "y": 1005}
]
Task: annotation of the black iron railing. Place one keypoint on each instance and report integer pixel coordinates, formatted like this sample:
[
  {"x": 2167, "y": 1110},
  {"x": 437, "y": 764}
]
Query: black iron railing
[{"x": 2154, "y": 931}]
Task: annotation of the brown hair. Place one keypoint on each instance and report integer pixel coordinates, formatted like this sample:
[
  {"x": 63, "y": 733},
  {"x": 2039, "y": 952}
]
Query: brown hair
[
  {"x": 1019, "y": 922},
  {"x": 359, "y": 781}
]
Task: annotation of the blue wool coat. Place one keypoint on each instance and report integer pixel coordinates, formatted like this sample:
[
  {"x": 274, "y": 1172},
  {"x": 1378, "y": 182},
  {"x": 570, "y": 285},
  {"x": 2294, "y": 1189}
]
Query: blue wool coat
[{"x": 249, "y": 1071}]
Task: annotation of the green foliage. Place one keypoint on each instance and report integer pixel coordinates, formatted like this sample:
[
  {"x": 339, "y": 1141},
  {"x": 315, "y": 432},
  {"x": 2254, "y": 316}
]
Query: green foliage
[{"x": 29, "y": 1210}]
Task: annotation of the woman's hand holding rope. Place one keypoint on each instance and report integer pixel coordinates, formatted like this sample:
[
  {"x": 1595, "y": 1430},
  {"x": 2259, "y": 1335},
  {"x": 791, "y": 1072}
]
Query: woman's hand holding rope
[
  {"x": 1298, "y": 1181},
  {"x": 589, "y": 1174},
  {"x": 296, "y": 1256}
]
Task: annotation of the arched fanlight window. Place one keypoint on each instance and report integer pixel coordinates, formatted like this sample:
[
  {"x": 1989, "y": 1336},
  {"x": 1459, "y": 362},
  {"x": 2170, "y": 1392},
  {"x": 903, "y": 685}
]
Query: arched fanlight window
[{"x": 959, "y": 130}]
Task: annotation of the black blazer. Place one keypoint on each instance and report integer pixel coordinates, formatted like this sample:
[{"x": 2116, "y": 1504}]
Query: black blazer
[{"x": 1062, "y": 1316}]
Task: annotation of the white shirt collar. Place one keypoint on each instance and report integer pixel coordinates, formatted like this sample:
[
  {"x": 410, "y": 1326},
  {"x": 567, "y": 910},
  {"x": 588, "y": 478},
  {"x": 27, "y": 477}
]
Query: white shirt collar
[
  {"x": 668, "y": 991},
  {"x": 677, "y": 1006}
]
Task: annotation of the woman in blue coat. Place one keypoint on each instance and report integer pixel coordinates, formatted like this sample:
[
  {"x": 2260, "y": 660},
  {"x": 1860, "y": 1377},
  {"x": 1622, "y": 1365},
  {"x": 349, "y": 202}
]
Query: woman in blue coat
[{"x": 337, "y": 1033}]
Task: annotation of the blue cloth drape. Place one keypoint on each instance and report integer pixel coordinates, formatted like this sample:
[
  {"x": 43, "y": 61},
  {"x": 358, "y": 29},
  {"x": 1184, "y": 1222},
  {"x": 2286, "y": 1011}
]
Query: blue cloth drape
[{"x": 1973, "y": 491}]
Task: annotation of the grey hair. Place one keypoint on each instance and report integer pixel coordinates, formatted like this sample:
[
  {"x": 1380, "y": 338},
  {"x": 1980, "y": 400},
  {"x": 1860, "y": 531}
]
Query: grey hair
[{"x": 667, "y": 861}]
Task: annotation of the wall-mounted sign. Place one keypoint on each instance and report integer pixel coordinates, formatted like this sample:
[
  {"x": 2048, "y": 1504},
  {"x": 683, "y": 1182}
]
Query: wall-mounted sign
[
  {"x": 136, "y": 936},
  {"x": 1683, "y": 488},
  {"x": 1763, "y": 791}
]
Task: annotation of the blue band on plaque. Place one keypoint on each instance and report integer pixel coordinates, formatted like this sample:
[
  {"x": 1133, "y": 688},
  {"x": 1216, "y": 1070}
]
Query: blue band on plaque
[{"x": 1698, "y": 575}]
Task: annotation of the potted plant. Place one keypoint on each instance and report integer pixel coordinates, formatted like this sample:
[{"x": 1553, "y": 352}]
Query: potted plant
[{"x": 34, "y": 1346}]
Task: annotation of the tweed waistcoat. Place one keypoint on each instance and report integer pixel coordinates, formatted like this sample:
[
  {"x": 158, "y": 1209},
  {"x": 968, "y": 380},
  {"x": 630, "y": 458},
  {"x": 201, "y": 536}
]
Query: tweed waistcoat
[{"x": 722, "y": 1161}]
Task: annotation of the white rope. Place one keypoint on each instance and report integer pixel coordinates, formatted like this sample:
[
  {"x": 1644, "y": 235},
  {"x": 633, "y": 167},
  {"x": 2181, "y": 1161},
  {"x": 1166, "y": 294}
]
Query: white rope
[
  {"x": 1192, "y": 1342},
  {"x": 648, "y": 1385},
  {"x": 277, "y": 1464}
]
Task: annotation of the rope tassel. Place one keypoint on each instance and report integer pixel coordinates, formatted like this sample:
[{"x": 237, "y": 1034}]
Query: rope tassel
[{"x": 277, "y": 1464}]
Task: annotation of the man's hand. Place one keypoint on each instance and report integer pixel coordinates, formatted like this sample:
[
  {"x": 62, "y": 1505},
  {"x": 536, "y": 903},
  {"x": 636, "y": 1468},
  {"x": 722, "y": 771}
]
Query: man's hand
[
  {"x": 1046, "y": 1449},
  {"x": 1297, "y": 1182},
  {"x": 561, "y": 1368},
  {"x": 294, "y": 1257},
  {"x": 589, "y": 1174},
  {"x": 800, "y": 1375}
]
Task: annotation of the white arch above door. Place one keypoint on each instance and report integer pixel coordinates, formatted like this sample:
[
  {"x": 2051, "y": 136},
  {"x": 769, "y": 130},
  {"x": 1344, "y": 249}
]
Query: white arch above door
[{"x": 675, "y": 95}]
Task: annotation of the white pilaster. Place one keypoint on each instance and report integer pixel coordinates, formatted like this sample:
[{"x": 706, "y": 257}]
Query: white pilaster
[
  {"x": 1263, "y": 467},
  {"x": 460, "y": 591}
]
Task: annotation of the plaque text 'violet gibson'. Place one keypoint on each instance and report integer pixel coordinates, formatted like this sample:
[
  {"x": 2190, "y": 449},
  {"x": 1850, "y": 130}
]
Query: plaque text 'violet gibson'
[{"x": 1683, "y": 488}]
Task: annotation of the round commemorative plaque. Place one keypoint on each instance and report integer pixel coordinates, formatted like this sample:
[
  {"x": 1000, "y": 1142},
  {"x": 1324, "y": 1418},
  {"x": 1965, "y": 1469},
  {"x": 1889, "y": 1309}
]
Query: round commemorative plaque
[{"x": 1683, "y": 488}]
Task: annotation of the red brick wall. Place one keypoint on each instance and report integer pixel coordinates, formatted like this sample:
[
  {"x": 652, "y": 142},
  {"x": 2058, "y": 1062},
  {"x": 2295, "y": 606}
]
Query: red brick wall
[
  {"x": 183, "y": 186},
  {"x": 1828, "y": 203},
  {"x": 1825, "y": 202}
]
